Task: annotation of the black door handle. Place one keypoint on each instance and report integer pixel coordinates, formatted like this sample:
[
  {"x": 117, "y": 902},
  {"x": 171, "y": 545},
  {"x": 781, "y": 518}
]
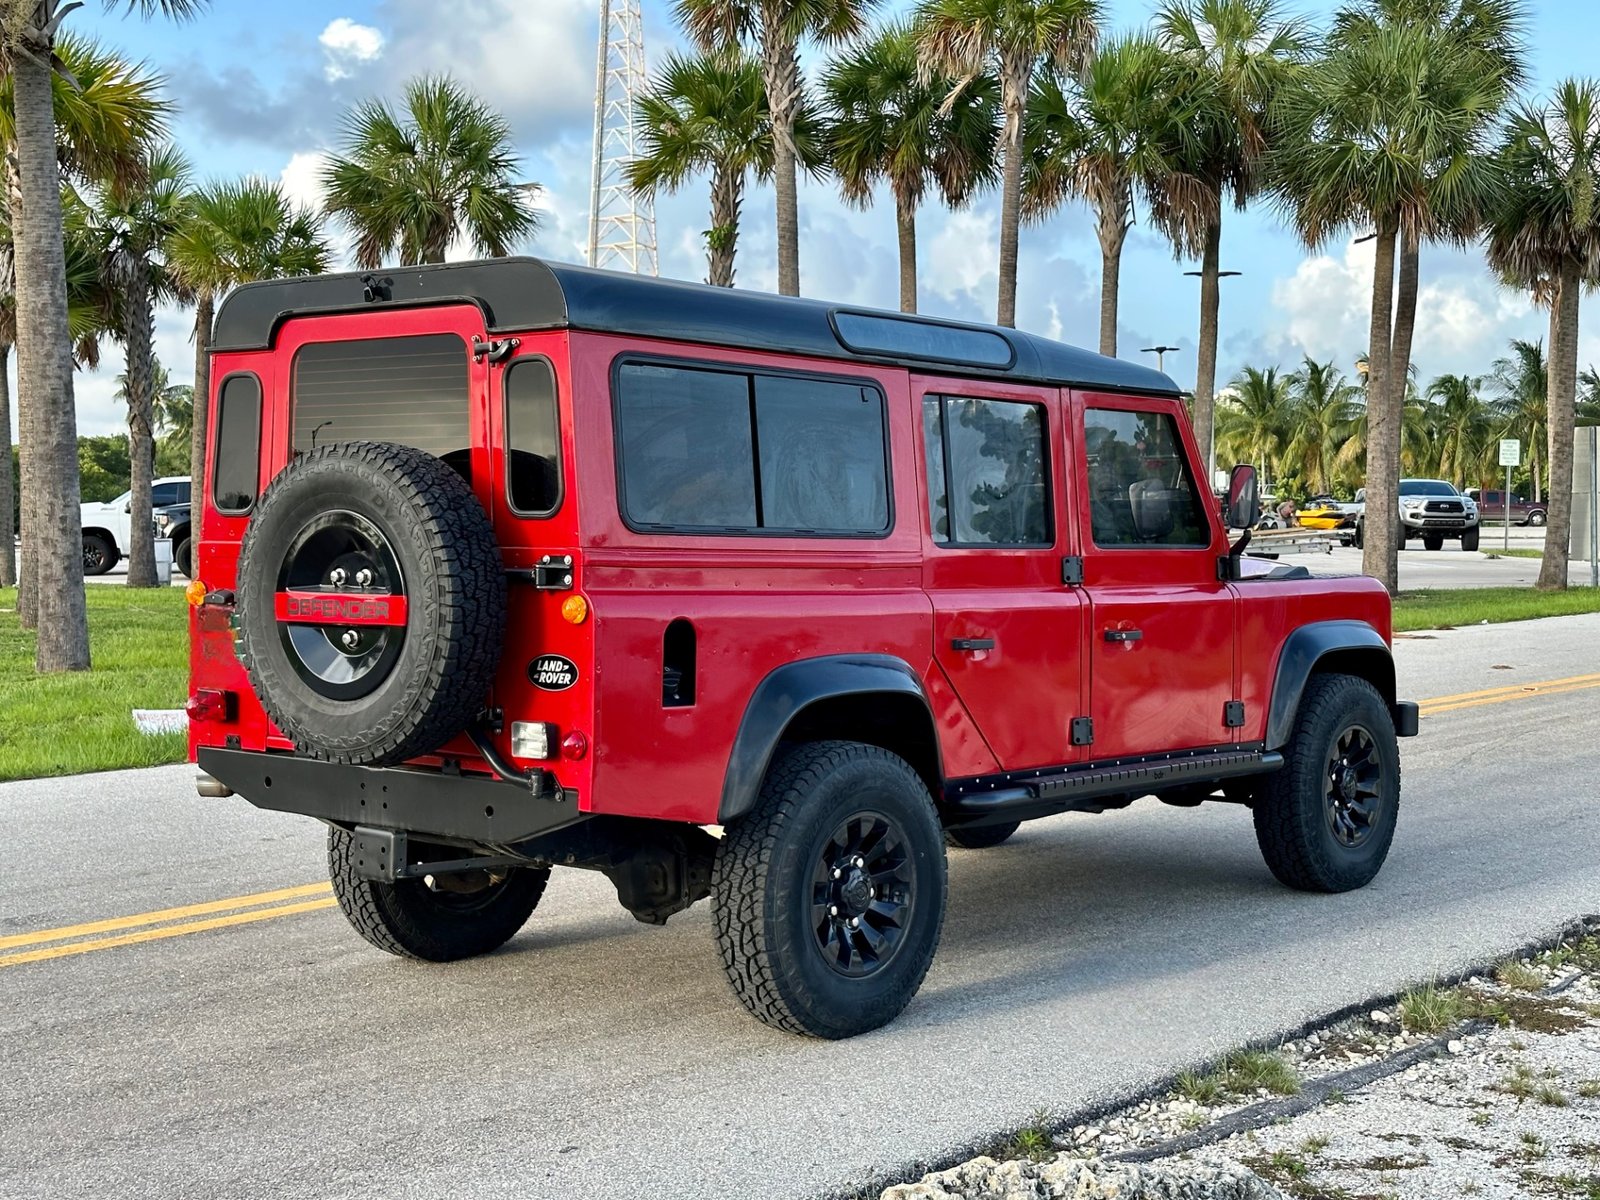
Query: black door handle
[
  {"x": 972, "y": 643},
  {"x": 1124, "y": 635}
]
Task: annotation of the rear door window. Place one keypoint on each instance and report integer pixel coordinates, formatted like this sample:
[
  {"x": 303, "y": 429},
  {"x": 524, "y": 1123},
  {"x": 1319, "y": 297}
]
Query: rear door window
[
  {"x": 409, "y": 390},
  {"x": 988, "y": 475}
]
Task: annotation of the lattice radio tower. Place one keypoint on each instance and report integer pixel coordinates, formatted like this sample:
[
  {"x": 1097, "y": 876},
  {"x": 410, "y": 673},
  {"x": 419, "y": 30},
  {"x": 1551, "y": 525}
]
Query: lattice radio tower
[{"x": 622, "y": 225}]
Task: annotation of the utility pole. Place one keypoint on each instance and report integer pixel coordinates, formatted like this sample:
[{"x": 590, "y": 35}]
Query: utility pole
[
  {"x": 622, "y": 224},
  {"x": 1161, "y": 353}
]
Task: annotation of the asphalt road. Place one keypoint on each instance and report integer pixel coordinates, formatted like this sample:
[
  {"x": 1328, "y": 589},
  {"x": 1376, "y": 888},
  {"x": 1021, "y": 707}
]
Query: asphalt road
[{"x": 1087, "y": 958}]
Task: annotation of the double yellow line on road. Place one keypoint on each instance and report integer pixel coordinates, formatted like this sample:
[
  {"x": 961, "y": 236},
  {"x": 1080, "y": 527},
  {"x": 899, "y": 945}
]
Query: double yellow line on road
[
  {"x": 20, "y": 948},
  {"x": 164, "y": 923},
  {"x": 1515, "y": 691}
]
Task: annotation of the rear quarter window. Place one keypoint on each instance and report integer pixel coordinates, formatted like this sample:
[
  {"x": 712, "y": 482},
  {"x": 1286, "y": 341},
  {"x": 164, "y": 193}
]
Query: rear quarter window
[{"x": 236, "y": 461}]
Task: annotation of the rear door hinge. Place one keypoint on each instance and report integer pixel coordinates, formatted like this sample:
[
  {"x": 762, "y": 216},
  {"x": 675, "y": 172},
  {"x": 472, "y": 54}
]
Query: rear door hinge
[
  {"x": 1082, "y": 731},
  {"x": 496, "y": 350},
  {"x": 1072, "y": 570},
  {"x": 552, "y": 574},
  {"x": 1233, "y": 714}
]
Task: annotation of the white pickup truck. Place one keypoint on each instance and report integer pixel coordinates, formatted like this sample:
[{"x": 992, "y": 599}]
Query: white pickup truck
[{"x": 106, "y": 526}]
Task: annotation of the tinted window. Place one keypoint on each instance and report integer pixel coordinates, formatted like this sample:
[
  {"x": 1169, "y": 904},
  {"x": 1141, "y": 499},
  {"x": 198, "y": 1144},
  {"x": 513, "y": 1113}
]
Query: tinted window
[
  {"x": 727, "y": 451},
  {"x": 236, "y": 462},
  {"x": 902, "y": 337},
  {"x": 987, "y": 472},
  {"x": 533, "y": 438},
  {"x": 164, "y": 494},
  {"x": 821, "y": 455},
  {"x": 1140, "y": 489},
  {"x": 1426, "y": 487},
  {"x": 410, "y": 390}
]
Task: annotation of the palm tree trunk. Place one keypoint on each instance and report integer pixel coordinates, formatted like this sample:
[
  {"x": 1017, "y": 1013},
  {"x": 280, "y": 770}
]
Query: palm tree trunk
[
  {"x": 27, "y": 576},
  {"x": 722, "y": 241},
  {"x": 1563, "y": 390},
  {"x": 1015, "y": 77},
  {"x": 44, "y": 364},
  {"x": 905, "y": 219},
  {"x": 1379, "y": 558},
  {"x": 138, "y": 332},
  {"x": 1205, "y": 379},
  {"x": 1112, "y": 229},
  {"x": 780, "y": 66},
  {"x": 204, "y": 317},
  {"x": 1405, "y": 314},
  {"x": 8, "y": 517}
]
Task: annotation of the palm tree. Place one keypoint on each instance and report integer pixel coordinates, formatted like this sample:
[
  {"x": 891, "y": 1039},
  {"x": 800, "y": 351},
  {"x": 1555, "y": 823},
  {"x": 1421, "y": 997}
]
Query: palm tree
[
  {"x": 172, "y": 404},
  {"x": 1010, "y": 39},
  {"x": 134, "y": 221},
  {"x": 1325, "y": 409},
  {"x": 1588, "y": 402},
  {"x": 232, "y": 233},
  {"x": 891, "y": 120},
  {"x": 1364, "y": 129},
  {"x": 1237, "y": 55},
  {"x": 94, "y": 120},
  {"x": 1461, "y": 425},
  {"x": 1545, "y": 235},
  {"x": 708, "y": 113},
  {"x": 1117, "y": 129},
  {"x": 1254, "y": 419},
  {"x": 1521, "y": 385},
  {"x": 774, "y": 29},
  {"x": 410, "y": 183}
]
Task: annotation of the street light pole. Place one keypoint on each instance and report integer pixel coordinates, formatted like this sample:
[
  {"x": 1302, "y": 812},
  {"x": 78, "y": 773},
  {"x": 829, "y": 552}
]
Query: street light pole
[
  {"x": 1161, "y": 353},
  {"x": 1211, "y": 450}
]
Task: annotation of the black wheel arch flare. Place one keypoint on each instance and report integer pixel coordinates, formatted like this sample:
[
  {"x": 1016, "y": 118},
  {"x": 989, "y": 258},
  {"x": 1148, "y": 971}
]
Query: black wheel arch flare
[{"x": 1349, "y": 647}]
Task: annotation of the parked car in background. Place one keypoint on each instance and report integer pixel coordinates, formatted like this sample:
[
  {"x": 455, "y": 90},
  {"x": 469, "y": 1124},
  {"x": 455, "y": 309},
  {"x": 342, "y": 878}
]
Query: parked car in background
[
  {"x": 1492, "y": 506},
  {"x": 1432, "y": 510},
  {"x": 106, "y": 526},
  {"x": 1325, "y": 512},
  {"x": 173, "y": 522}
]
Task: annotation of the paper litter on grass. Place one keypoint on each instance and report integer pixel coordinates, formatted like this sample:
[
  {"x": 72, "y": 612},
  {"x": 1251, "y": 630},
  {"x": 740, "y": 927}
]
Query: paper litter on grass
[{"x": 161, "y": 720}]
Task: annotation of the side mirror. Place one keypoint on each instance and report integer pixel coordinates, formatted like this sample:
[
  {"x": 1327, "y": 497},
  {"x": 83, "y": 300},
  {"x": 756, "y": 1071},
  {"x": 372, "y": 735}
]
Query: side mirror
[
  {"x": 128, "y": 507},
  {"x": 1361, "y": 495},
  {"x": 1244, "y": 498}
]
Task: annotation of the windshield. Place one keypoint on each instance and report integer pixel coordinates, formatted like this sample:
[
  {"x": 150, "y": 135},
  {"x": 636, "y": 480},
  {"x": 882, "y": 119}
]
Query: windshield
[{"x": 1426, "y": 487}]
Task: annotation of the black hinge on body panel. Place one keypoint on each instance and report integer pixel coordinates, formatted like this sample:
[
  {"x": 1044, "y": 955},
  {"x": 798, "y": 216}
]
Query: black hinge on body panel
[
  {"x": 1082, "y": 731},
  {"x": 496, "y": 351},
  {"x": 1072, "y": 570},
  {"x": 1233, "y": 714},
  {"x": 553, "y": 573}
]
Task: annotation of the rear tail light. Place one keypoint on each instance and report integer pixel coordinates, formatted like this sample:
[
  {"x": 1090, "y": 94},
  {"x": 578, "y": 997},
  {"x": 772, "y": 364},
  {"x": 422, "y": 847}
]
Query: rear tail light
[
  {"x": 532, "y": 739},
  {"x": 211, "y": 704}
]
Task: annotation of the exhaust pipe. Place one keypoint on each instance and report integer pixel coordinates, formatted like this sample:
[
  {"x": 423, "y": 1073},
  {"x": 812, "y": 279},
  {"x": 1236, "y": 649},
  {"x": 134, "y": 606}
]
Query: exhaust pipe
[{"x": 210, "y": 786}]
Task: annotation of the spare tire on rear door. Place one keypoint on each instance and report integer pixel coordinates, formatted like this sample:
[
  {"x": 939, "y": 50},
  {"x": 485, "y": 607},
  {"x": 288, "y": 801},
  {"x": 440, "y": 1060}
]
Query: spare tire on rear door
[{"x": 371, "y": 603}]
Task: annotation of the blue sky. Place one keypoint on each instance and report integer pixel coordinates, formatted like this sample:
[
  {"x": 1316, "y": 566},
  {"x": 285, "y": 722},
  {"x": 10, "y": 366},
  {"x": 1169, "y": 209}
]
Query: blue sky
[{"x": 265, "y": 98}]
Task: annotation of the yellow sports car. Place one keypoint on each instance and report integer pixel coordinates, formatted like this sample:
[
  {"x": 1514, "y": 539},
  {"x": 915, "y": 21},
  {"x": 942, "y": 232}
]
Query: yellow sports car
[{"x": 1324, "y": 513}]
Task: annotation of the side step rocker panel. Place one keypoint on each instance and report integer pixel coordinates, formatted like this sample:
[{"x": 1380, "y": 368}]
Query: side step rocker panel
[{"x": 1024, "y": 795}]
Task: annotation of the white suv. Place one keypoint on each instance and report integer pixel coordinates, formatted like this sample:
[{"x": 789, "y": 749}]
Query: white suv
[{"x": 106, "y": 526}]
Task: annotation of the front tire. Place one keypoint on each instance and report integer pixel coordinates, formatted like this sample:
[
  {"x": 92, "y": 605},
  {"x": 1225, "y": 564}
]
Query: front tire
[
  {"x": 829, "y": 897},
  {"x": 983, "y": 837},
  {"x": 1469, "y": 539},
  {"x": 181, "y": 558},
  {"x": 1325, "y": 821},
  {"x": 405, "y": 918}
]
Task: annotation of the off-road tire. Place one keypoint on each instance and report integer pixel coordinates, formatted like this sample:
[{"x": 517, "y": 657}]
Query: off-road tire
[
  {"x": 1292, "y": 824},
  {"x": 1433, "y": 541},
  {"x": 1469, "y": 539},
  {"x": 980, "y": 837},
  {"x": 760, "y": 892},
  {"x": 181, "y": 557},
  {"x": 455, "y": 588},
  {"x": 99, "y": 554},
  {"x": 407, "y": 919}
]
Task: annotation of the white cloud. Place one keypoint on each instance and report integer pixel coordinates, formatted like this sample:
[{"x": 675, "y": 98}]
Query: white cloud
[{"x": 347, "y": 45}]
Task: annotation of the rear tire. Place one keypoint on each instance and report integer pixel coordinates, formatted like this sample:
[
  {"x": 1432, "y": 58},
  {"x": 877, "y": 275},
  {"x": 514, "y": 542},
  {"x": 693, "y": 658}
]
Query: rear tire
[
  {"x": 1325, "y": 821},
  {"x": 407, "y": 919},
  {"x": 982, "y": 837},
  {"x": 99, "y": 554},
  {"x": 1469, "y": 539},
  {"x": 1535, "y": 519},
  {"x": 842, "y": 832}
]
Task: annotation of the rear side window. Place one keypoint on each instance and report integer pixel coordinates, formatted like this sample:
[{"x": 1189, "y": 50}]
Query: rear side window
[
  {"x": 988, "y": 474},
  {"x": 410, "y": 390},
  {"x": 1140, "y": 489},
  {"x": 750, "y": 452},
  {"x": 533, "y": 438},
  {"x": 236, "y": 462}
]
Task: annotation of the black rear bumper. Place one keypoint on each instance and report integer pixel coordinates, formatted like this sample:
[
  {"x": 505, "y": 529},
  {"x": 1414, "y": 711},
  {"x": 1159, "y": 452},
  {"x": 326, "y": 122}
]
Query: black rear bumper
[{"x": 466, "y": 808}]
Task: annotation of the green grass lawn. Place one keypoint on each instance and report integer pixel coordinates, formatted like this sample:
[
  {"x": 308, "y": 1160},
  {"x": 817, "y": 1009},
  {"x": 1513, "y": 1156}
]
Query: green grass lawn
[
  {"x": 1440, "y": 608},
  {"x": 64, "y": 724},
  {"x": 1514, "y": 552}
]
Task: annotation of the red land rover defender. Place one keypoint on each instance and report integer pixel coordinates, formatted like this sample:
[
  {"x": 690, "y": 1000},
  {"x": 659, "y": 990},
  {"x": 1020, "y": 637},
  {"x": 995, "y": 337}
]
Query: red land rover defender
[{"x": 510, "y": 565}]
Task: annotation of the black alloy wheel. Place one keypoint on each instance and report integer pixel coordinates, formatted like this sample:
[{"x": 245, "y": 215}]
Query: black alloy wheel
[
  {"x": 863, "y": 894},
  {"x": 99, "y": 556},
  {"x": 1355, "y": 778},
  {"x": 341, "y": 605}
]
